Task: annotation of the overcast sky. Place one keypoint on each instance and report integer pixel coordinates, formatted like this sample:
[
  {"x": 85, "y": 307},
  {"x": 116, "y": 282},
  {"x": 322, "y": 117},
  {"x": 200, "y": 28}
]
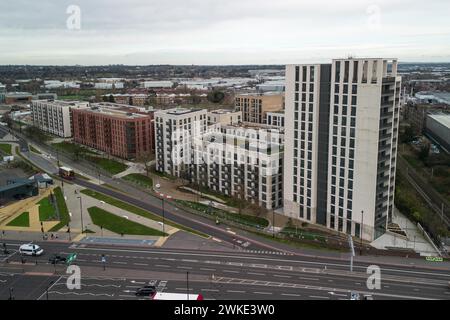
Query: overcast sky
[{"x": 221, "y": 31}]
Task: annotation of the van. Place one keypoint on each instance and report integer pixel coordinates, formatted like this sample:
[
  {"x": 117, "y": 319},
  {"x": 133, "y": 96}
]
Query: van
[{"x": 31, "y": 250}]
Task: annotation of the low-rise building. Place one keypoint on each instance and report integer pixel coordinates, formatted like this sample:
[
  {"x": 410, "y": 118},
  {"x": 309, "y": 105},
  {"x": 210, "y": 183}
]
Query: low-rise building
[
  {"x": 438, "y": 128},
  {"x": 18, "y": 97}
]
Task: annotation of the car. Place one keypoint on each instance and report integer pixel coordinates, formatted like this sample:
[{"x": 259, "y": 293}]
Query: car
[
  {"x": 368, "y": 297},
  {"x": 56, "y": 258},
  {"x": 146, "y": 291},
  {"x": 30, "y": 249}
]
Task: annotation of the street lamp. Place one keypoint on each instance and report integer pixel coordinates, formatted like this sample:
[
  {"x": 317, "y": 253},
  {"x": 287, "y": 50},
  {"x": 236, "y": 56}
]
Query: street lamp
[
  {"x": 362, "y": 227},
  {"x": 11, "y": 296},
  {"x": 187, "y": 284},
  {"x": 81, "y": 214},
  {"x": 273, "y": 223}
]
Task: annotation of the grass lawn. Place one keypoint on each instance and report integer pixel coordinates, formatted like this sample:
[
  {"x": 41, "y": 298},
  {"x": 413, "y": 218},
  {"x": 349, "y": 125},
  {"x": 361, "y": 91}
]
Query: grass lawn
[
  {"x": 239, "y": 218},
  {"x": 120, "y": 225},
  {"x": 109, "y": 165},
  {"x": 6, "y": 148},
  {"x": 21, "y": 221},
  {"x": 72, "y": 148},
  {"x": 46, "y": 210},
  {"x": 141, "y": 212},
  {"x": 64, "y": 217},
  {"x": 34, "y": 149},
  {"x": 139, "y": 179}
]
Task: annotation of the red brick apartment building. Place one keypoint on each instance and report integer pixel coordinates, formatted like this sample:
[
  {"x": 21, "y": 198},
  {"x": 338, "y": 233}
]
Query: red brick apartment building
[{"x": 115, "y": 129}]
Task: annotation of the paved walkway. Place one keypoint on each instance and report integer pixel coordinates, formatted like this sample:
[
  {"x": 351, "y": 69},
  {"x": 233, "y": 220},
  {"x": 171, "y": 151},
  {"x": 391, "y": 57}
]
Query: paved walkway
[{"x": 414, "y": 238}]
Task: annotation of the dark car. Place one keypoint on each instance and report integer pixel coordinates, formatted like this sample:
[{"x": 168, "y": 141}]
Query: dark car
[
  {"x": 146, "y": 291},
  {"x": 56, "y": 258}
]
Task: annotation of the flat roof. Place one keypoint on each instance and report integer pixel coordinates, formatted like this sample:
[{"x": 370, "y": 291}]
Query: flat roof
[{"x": 442, "y": 118}]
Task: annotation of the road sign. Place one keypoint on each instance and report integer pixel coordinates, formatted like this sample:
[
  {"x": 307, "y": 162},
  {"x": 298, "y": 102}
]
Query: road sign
[
  {"x": 70, "y": 258},
  {"x": 103, "y": 259}
]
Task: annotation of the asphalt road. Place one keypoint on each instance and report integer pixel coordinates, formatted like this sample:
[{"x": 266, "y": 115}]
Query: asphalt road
[{"x": 217, "y": 275}]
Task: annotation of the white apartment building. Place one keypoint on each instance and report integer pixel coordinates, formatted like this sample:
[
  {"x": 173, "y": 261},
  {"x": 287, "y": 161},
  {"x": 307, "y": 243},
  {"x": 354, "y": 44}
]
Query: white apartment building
[
  {"x": 342, "y": 123},
  {"x": 224, "y": 117},
  {"x": 174, "y": 130},
  {"x": 54, "y": 116},
  {"x": 275, "y": 119},
  {"x": 240, "y": 161}
]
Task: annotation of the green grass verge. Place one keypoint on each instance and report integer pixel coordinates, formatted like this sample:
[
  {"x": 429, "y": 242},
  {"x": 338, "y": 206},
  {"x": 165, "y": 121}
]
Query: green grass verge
[
  {"x": 21, "y": 221},
  {"x": 64, "y": 217},
  {"x": 136, "y": 210},
  {"x": 33, "y": 149},
  {"x": 244, "y": 219},
  {"x": 6, "y": 148},
  {"x": 46, "y": 210},
  {"x": 109, "y": 165},
  {"x": 139, "y": 179},
  {"x": 72, "y": 148},
  {"x": 120, "y": 225}
]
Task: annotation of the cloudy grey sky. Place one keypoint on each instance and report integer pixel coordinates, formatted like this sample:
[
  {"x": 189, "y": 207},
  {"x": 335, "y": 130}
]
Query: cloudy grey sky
[{"x": 221, "y": 31}]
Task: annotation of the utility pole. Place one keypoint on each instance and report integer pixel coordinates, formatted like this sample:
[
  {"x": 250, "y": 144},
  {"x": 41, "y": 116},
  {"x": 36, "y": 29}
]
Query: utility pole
[
  {"x": 162, "y": 199},
  {"x": 362, "y": 227},
  {"x": 187, "y": 284},
  {"x": 81, "y": 214},
  {"x": 273, "y": 223},
  {"x": 352, "y": 251}
]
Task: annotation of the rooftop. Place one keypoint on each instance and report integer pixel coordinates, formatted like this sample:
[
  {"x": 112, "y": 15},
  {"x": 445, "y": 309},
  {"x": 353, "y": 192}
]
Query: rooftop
[{"x": 443, "y": 118}]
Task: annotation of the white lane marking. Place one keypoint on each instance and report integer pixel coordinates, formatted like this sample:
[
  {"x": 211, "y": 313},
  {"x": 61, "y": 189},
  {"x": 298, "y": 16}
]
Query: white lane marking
[
  {"x": 212, "y": 290},
  {"x": 127, "y": 296},
  {"x": 304, "y": 278},
  {"x": 82, "y": 294},
  {"x": 140, "y": 264},
  {"x": 290, "y": 294},
  {"x": 207, "y": 269},
  {"x": 235, "y": 291},
  {"x": 189, "y": 268},
  {"x": 185, "y": 289},
  {"x": 256, "y": 273},
  {"x": 258, "y": 292},
  {"x": 217, "y": 240},
  {"x": 162, "y": 265},
  {"x": 230, "y": 271},
  {"x": 119, "y": 262},
  {"x": 281, "y": 276},
  {"x": 49, "y": 288},
  {"x": 319, "y": 297}
]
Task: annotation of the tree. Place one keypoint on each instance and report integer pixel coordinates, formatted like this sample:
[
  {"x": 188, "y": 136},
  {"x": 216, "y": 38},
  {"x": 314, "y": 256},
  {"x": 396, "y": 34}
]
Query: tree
[
  {"x": 424, "y": 152},
  {"x": 145, "y": 158},
  {"x": 408, "y": 134},
  {"x": 216, "y": 96}
]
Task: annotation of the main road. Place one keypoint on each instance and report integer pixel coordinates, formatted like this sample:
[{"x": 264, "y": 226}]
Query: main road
[{"x": 216, "y": 275}]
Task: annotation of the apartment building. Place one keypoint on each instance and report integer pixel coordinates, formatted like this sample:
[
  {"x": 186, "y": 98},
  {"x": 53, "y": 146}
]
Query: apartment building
[
  {"x": 54, "y": 116},
  {"x": 174, "y": 131},
  {"x": 119, "y": 130},
  {"x": 342, "y": 123},
  {"x": 275, "y": 119},
  {"x": 254, "y": 106},
  {"x": 224, "y": 117},
  {"x": 2, "y": 92}
]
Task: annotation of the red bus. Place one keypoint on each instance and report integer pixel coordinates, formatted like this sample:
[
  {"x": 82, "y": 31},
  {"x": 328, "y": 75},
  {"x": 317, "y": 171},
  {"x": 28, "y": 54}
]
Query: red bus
[
  {"x": 66, "y": 173},
  {"x": 176, "y": 296}
]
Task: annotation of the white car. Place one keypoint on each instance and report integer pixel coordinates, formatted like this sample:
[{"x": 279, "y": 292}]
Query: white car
[{"x": 31, "y": 250}]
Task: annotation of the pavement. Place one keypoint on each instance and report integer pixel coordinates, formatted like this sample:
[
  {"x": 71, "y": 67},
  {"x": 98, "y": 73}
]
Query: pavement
[{"x": 216, "y": 275}]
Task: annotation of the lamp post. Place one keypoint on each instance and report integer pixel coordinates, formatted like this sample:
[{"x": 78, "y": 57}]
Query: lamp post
[
  {"x": 81, "y": 214},
  {"x": 187, "y": 284},
  {"x": 362, "y": 227},
  {"x": 273, "y": 223}
]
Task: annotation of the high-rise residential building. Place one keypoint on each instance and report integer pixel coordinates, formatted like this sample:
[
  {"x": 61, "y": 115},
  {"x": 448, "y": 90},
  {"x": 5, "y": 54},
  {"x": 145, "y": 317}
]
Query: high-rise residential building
[
  {"x": 254, "y": 106},
  {"x": 224, "y": 117},
  {"x": 174, "y": 130},
  {"x": 342, "y": 128},
  {"x": 54, "y": 116},
  {"x": 119, "y": 130},
  {"x": 2, "y": 92}
]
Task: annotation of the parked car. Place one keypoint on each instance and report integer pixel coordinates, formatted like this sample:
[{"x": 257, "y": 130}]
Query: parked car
[
  {"x": 30, "y": 249},
  {"x": 56, "y": 258},
  {"x": 146, "y": 291}
]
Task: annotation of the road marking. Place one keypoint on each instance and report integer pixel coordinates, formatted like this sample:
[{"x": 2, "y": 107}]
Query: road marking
[
  {"x": 319, "y": 297},
  {"x": 256, "y": 273},
  {"x": 162, "y": 265},
  {"x": 330, "y": 280},
  {"x": 281, "y": 276},
  {"x": 189, "y": 268},
  {"x": 230, "y": 271},
  {"x": 185, "y": 289},
  {"x": 212, "y": 290},
  {"x": 217, "y": 240},
  {"x": 235, "y": 291},
  {"x": 126, "y": 295},
  {"x": 207, "y": 269},
  {"x": 258, "y": 292},
  {"x": 140, "y": 264},
  {"x": 119, "y": 262},
  {"x": 290, "y": 294},
  {"x": 304, "y": 278}
]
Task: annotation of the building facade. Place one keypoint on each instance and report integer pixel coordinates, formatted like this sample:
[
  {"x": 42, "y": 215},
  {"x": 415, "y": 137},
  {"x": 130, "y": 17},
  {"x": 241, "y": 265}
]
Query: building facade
[
  {"x": 275, "y": 119},
  {"x": 224, "y": 117},
  {"x": 254, "y": 106},
  {"x": 116, "y": 129},
  {"x": 2, "y": 92},
  {"x": 54, "y": 116},
  {"x": 342, "y": 125}
]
